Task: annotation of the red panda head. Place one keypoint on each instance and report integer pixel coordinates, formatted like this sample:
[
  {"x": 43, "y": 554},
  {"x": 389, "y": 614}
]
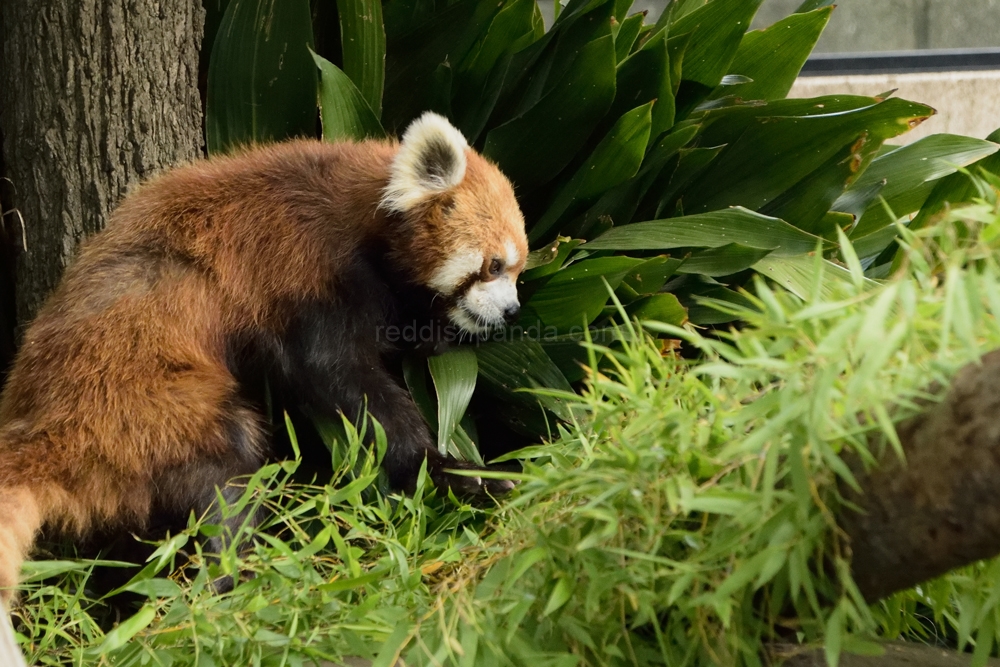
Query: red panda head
[{"x": 464, "y": 233}]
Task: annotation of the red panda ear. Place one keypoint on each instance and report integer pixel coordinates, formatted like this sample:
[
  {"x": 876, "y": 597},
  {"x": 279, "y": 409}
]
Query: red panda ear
[{"x": 431, "y": 160}]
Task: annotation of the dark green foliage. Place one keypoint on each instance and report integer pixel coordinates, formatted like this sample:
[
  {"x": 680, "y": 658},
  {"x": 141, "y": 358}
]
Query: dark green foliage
[{"x": 638, "y": 141}]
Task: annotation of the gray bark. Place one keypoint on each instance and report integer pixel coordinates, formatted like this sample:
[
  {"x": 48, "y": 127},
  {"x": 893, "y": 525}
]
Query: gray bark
[{"x": 95, "y": 95}]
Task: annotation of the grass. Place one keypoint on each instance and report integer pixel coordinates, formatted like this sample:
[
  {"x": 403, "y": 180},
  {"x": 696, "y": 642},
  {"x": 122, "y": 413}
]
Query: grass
[{"x": 684, "y": 517}]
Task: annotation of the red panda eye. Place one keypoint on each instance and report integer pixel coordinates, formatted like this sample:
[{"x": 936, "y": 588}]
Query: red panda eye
[{"x": 496, "y": 267}]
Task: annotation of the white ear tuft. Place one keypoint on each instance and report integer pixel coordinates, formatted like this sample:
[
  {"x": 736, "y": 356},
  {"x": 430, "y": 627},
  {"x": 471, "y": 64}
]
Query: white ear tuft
[{"x": 431, "y": 160}]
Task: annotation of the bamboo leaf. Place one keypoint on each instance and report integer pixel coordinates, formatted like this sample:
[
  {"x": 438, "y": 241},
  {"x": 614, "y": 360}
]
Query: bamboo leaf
[{"x": 127, "y": 629}]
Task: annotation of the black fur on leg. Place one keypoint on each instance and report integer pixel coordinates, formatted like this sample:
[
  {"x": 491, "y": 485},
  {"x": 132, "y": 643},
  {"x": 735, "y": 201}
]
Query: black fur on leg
[
  {"x": 194, "y": 486},
  {"x": 333, "y": 360}
]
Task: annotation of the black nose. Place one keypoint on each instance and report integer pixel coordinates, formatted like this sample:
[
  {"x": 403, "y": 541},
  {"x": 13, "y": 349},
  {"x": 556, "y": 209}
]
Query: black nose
[{"x": 511, "y": 313}]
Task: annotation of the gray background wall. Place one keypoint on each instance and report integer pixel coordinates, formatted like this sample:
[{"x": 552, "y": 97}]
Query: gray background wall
[
  {"x": 882, "y": 25},
  {"x": 893, "y": 25}
]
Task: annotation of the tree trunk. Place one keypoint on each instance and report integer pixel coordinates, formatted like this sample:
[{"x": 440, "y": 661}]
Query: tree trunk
[
  {"x": 95, "y": 95},
  {"x": 940, "y": 509}
]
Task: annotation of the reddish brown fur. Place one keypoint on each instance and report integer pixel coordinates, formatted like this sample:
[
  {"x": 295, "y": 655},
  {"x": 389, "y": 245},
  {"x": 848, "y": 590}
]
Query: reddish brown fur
[
  {"x": 123, "y": 373},
  {"x": 481, "y": 198}
]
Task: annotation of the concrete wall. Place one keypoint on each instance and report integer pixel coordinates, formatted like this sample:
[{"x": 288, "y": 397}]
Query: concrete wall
[{"x": 894, "y": 25}]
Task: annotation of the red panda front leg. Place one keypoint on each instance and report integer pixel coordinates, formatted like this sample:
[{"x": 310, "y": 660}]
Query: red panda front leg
[{"x": 331, "y": 361}]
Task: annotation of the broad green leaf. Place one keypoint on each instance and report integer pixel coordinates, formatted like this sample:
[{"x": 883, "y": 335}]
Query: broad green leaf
[
  {"x": 875, "y": 243},
  {"x": 651, "y": 275},
  {"x": 724, "y": 260},
  {"x": 569, "y": 354},
  {"x": 575, "y": 296},
  {"x": 508, "y": 27},
  {"x": 807, "y": 204},
  {"x": 556, "y": 254},
  {"x": 532, "y": 148},
  {"x": 419, "y": 58},
  {"x": 454, "y": 374},
  {"x": 726, "y": 125},
  {"x": 772, "y": 58},
  {"x": 618, "y": 205},
  {"x": 910, "y": 173},
  {"x": 775, "y": 153},
  {"x": 956, "y": 188},
  {"x": 621, "y": 10},
  {"x": 344, "y": 112},
  {"x": 798, "y": 276},
  {"x": 645, "y": 77},
  {"x": 615, "y": 160},
  {"x": 716, "y": 28},
  {"x": 507, "y": 367},
  {"x": 681, "y": 8},
  {"x": 703, "y": 311},
  {"x": 363, "y": 38},
  {"x": 628, "y": 32},
  {"x": 480, "y": 76},
  {"x": 710, "y": 230},
  {"x": 535, "y": 71},
  {"x": 660, "y": 308},
  {"x": 261, "y": 78},
  {"x": 665, "y": 199}
]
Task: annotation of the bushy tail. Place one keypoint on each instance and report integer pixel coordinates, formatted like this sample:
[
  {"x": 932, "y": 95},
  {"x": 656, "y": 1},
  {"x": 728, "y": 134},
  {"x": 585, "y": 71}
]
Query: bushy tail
[
  {"x": 20, "y": 520},
  {"x": 10, "y": 653}
]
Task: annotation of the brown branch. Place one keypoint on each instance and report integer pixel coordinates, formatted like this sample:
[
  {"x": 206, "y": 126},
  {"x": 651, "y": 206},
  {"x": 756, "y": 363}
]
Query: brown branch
[
  {"x": 897, "y": 654},
  {"x": 940, "y": 509}
]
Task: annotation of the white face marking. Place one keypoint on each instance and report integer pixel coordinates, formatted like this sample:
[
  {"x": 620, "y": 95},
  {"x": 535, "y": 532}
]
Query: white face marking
[
  {"x": 465, "y": 321},
  {"x": 483, "y": 306},
  {"x": 513, "y": 256},
  {"x": 455, "y": 270}
]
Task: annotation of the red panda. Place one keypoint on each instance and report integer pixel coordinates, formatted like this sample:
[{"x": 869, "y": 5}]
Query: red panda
[{"x": 124, "y": 399}]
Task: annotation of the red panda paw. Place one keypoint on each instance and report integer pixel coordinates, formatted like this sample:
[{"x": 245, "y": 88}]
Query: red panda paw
[{"x": 445, "y": 476}]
